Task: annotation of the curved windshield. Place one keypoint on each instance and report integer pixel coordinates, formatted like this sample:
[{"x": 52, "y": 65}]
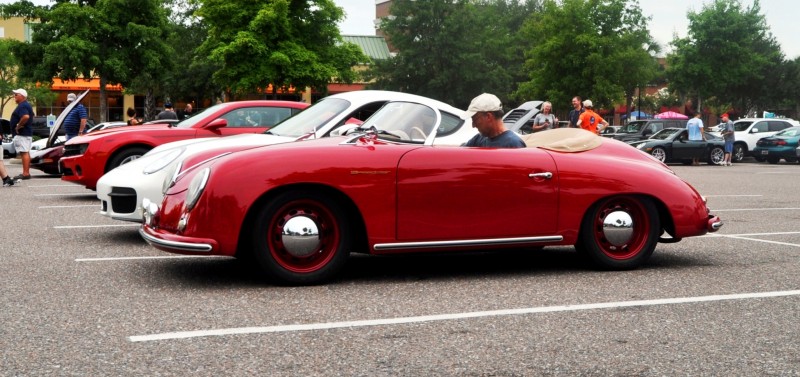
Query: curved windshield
[
  {"x": 665, "y": 134},
  {"x": 632, "y": 127},
  {"x": 403, "y": 121},
  {"x": 201, "y": 116},
  {"x": 792, "y": 131},
  {"x": 310, "y": 119}
]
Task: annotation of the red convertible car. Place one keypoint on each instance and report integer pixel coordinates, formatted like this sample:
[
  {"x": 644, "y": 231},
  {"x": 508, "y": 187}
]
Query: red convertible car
[
  {"x": 299, "y": 209},
  {"x": 86, "y": 158}
]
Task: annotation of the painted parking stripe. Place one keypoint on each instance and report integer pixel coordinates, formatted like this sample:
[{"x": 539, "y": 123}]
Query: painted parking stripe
[
  {"x": 75, "y": 206},
  {"x": 730, "y": 196},
  {"x": 756, "y": 209},
  {"x": 70, "y": 194},
  {"x": 749, "y": 234},
  {"x": 154, "y": 257},
  {"x": 42, "y": 186},
  {"x": 453, "y": 316},
  {"x": 95, "y": 226}
]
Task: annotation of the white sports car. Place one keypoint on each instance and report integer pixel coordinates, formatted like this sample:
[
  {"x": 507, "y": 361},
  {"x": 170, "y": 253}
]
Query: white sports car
[{"x": 121, "y": 190}]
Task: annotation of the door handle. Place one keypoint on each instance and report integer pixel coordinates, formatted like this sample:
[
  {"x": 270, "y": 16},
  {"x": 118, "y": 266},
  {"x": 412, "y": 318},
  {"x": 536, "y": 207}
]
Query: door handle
[{"x": 545, "y": 175}]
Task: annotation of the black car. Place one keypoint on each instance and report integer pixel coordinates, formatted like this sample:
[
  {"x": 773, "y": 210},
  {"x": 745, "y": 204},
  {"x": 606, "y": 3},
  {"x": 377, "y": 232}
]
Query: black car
[
  {"x": 645, "y": 128},
  {"x": 673, "y": 145}
]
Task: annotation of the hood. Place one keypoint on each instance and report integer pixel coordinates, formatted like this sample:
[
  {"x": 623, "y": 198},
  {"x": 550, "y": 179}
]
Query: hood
[{"x": 60, "y": 120}]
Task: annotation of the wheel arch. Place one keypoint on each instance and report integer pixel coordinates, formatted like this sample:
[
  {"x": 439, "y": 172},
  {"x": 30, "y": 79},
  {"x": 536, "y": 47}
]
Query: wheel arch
[
  {"x": 121, "y": 150},
  {"x": 244, "y": 243},
  {"x": 664, "y": 215}
]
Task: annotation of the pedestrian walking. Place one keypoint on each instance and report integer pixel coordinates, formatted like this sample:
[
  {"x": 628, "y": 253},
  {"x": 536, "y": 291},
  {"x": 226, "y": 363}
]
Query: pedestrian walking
[
  {"x": 22, "y": 131},
  {"x": 728, "y": 134},
  {"x": 695, "y": 128},
  {"x": 75, "y": 122}
]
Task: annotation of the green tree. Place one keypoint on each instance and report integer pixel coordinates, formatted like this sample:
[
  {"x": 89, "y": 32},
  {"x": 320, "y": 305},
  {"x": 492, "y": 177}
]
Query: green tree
[
  {"x": 595, "y": 49},
  {"x": 114, "y": 40},
  {"x": 455, "y": 49},
  {"x": 728, "y": 54},
  {"x": 280, "y": 42}
]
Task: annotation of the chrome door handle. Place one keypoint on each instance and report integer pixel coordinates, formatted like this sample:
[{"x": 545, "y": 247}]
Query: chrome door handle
[{"x": 545, "y": 175}]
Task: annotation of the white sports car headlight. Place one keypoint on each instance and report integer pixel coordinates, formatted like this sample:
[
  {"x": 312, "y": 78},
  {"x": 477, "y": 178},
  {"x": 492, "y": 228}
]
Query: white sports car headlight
[
  {"x": 196, "y": 188},
  {"x": 164, "y": 160}
]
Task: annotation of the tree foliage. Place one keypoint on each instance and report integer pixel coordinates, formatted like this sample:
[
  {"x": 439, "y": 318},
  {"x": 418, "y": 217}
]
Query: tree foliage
[
  {"x": 281, "y": 42},
  {"x": 729, "y": 53},
  {"x": 454, "y": 50},
  {"x": 591, "y": 48},
  {"x": 114, "y": 40}
]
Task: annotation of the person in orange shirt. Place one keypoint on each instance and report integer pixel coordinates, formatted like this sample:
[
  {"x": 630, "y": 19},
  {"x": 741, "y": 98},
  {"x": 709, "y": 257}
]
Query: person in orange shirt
[{"x": 590, "y": 119}]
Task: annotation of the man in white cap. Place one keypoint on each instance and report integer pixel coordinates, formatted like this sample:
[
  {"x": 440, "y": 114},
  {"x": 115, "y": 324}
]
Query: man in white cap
[
  {"x": 589, "y": 119},
  {"x": 486, "y": 112},
  {"x": 22, "y": 130},
  {"x": 75, "y": 122}
]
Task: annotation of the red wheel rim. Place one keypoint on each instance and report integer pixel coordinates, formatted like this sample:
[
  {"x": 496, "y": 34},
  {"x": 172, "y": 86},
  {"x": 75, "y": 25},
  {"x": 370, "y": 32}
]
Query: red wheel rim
[
  {"x": 641, "y": 228},
  {"x": 328, "y": 229}
]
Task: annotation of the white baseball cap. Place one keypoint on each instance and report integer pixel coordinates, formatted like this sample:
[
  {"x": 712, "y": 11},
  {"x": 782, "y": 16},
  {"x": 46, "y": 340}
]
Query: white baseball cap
[
  {"x": 21, "y": 92},
  {"x": 71, "y": 97},
  {"x": 482, "y": 103},
  {"x": 587, "y": 103}
]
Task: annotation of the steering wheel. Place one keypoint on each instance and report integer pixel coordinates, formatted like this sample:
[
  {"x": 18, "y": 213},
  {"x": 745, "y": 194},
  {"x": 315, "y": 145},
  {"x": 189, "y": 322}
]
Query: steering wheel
[{"x": 419, "y": 131}]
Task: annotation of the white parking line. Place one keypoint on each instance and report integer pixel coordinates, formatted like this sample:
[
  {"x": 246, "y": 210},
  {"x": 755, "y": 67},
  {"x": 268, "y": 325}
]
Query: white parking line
[
  {"x": 729, "y": 196},
  {"x": 749, "y": 234},
  {"x": 452, "y": 316},
  {"x": 95, "y": 226},
  {"x": 41, "y": 186},
  {"x": 755, "y": 209},
  {"x": 765, "y": 241},
  {"x": 142, "y": 258},
  {"x": 69, "y": 194},
  {"x": 75, "y": 206}
]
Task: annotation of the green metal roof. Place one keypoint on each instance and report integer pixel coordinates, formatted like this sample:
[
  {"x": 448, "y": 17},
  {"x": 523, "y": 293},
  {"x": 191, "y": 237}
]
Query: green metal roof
[{"x": 373, "y": 46}]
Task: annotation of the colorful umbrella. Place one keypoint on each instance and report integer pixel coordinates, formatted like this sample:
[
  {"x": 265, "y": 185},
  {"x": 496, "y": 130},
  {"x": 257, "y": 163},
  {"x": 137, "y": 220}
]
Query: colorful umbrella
[{"x": 671, "y": 115}]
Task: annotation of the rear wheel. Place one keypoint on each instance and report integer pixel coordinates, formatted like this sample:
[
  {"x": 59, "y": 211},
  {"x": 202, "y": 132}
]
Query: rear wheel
[
  {"x": 659, "y": 153},
  {"x": 619, "y": 233},
  {"x": 738, "y": 152},
  {"x": 301, "y": 237},
  {"x": 716, "y": 156}
]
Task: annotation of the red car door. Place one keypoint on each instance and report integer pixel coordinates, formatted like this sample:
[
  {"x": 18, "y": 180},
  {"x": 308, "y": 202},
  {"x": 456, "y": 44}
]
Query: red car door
[{"x": 447, "y": 193}]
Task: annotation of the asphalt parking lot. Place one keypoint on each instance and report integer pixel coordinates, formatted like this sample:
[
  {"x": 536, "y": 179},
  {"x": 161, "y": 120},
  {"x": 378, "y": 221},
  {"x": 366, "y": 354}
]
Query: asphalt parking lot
[{"x": 85, "y": 295}]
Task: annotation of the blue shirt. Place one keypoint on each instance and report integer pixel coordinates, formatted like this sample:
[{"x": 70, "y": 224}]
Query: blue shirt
[
  {"x": 728, "y": 131},
  {"x": 695, "y": 127},
  {"x": 506, "y": 139},
  {"x": 23, "y": 108},
  {"x": 72, "y": 123}
]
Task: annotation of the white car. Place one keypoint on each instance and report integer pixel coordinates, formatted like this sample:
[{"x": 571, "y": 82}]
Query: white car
[
  {"x": 121, "y": 190},
  {"x": 747, "y": 131}
]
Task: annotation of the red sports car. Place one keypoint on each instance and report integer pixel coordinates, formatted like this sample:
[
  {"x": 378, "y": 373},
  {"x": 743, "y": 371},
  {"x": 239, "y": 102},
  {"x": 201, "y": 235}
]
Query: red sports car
[
  {"x": 86, "y": 158},
  {"x": 299, "y": 209}
]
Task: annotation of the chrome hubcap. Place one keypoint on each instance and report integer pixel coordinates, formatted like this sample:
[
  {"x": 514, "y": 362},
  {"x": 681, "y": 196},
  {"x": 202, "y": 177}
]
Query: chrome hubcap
[
  {"x": 618, "y": 228},
  {"x": 300, "y": 236}
]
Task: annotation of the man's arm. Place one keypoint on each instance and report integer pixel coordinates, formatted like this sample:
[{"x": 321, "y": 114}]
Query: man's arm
[{"x": 22, "y": 121}]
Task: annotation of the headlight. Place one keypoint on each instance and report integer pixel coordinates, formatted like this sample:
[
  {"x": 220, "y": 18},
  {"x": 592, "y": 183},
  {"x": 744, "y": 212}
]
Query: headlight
[
  {"x": 171, "y": 176},
  {"x": 161, "y": 162},
  {"x": 640, "y": 146},
  {"x": 196, "y": 188}
]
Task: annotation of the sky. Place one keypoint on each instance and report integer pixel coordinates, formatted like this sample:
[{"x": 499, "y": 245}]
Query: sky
[{"x": 668, "y": 19}]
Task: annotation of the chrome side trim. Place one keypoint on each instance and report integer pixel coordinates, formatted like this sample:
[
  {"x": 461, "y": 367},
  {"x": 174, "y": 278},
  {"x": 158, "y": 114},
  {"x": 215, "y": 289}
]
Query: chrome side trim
[
  {"x": 185, "y": 246},
  {"x": 456, "y": 243}
]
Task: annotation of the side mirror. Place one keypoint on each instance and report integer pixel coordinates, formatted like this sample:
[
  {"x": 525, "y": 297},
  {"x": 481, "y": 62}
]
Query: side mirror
[
  {"x": 217, "y": 124},
  {"x": 754, "y": 130}
]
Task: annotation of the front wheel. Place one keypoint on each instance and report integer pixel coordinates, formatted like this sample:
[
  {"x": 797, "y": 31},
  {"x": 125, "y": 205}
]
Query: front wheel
[
  {"x": 126, "y": 156},
  {"x": 619, "y": 233},
  {"x": 738, "y": 153},
  {"x": 301, "y": 237},
  {"x": 659, "y": 153},
  {"x": 716, "y": 156}
]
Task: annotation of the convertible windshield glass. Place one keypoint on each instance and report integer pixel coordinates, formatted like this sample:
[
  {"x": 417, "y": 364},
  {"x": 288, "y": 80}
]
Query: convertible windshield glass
[
  {"x": 403, "y": 121},
  {"x": 792, "y": 131},
  {"x": 190, "y": 122},
  {"x": 311, "y": 118},
  {"x": 632, "y": 127},
  {"x": 665, "y": 134}
]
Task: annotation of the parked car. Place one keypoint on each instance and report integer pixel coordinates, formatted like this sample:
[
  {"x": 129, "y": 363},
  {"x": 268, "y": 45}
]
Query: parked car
[
  {"x": 643, "y": 129},
  {"x": 105, "y": 126},
  {"x": 748, "y": 131},
  {"x": 782, "y": 145},
  {"x": 300, "y": 209},
  {"x": 88, "y": 157},
  {"x": 121, "y": 190},
  {"x": 610, "y": 131},
  {"x": 673, "y": 145},
  {"x": 520, "y": 119}
]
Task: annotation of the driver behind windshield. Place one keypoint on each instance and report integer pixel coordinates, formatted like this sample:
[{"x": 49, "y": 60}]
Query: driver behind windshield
[{"x": 486, "y": 112}]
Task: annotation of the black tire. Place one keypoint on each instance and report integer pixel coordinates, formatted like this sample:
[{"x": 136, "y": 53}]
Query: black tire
[
  {"x": 630, "y": 253},
  {"x": 716, "y": 156},
  {"x": 759, "y": 158},
  {"x": 739, "y": 151},
  {"x": 659, "y": 153},
  {"x": 317, "y": 263},
  {"x": 773, "y": 160},
  {"x": 125, "y": 156}
]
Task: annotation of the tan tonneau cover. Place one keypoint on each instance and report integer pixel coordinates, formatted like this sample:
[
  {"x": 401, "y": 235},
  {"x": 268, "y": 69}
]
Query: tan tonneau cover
[{"x": 564, "y": 140}]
